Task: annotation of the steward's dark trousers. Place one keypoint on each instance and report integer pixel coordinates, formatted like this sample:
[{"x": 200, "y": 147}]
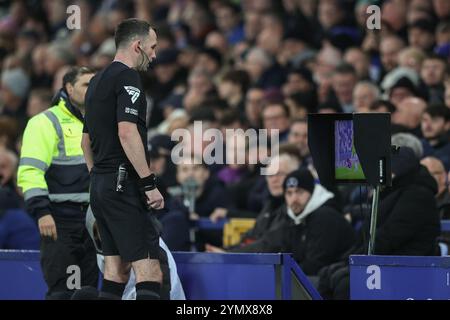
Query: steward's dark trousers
[{"x": 69, "y": 261}]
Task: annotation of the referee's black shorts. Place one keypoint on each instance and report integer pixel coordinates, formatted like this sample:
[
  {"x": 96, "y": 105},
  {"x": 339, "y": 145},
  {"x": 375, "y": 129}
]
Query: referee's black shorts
[{"x": 122, "y": 219}]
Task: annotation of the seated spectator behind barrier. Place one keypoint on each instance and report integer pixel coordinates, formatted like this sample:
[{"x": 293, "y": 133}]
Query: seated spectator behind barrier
[
  {"x": 257, "y": 193},
  {"x": 9, "y": 196},
  {"x": 210, "y": 194},
  {"x": 18, "y": 231},
  {"x": 269, "y": 218},
  {"x": 408, "y": 223},
  {"x": 17, "y": 228},
  {"x": 311, "y": 228}
]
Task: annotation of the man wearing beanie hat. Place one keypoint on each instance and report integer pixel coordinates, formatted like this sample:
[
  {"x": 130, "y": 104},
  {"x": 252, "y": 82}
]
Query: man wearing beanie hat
[
  {"x": 317, "y": 234},
  {"x": 314, "y": 231}
]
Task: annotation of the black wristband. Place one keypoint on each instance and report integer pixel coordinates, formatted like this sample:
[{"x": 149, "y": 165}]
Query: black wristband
[{"x": 148, "y": 183}]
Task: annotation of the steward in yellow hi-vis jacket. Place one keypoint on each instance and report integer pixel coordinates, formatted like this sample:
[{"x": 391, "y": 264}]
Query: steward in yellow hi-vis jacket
[{"x": 55, "y": 182}]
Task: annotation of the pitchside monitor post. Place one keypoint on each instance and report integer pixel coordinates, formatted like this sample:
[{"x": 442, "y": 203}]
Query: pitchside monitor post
[{"x": 351, "y": 148}]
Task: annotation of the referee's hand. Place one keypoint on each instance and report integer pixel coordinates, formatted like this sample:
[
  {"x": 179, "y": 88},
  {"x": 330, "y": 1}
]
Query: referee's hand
[{"x": 154, "y": 199}]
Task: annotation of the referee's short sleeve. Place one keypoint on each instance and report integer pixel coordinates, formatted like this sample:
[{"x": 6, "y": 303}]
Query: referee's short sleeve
[{"x": 128, "y": 92}]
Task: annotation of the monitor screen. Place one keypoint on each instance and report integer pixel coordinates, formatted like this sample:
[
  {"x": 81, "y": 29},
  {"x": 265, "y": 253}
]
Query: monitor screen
[{"x": 346, "y": 162}]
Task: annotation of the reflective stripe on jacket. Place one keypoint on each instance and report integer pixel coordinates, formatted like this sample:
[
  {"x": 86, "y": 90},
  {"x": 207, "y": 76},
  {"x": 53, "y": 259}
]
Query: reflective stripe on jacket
[{"x": 52, "y": 168}]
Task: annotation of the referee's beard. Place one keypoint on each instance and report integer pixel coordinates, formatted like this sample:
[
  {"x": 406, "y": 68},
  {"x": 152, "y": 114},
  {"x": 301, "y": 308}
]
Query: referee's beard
[{"x": 144, "y": 62}]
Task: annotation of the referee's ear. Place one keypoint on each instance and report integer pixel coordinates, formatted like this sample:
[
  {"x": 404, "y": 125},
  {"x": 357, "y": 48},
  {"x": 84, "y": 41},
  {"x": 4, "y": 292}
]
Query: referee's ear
[{"x": 136, "y": 45}]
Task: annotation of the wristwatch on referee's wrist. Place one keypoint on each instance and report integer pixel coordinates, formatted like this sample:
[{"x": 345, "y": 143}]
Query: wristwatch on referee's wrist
[{"x": 148, "y": 183}]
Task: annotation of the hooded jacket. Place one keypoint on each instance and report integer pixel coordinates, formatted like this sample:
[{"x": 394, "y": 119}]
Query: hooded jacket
[
  {"x": 408, "y": 219},
  {"x": 317, "y": 237}
]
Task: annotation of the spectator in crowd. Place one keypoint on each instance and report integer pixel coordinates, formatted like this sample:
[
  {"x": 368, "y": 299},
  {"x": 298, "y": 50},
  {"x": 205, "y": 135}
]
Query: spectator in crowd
[
  {"x": 202, "y": 194},
  {"x": 437, "y": 170},
  {"x": 10, "y": 198},
  {"x": 421, "y": 35},
  {"x": 9, "y": 131},
  {"x": 17, "y": 228},
  {"x": 443, "y": 34},
  {"x": 390, "y": 48},
  {"x": 228, "y": 22},
  {"x": 209, "y": 192},
  {"x": 275, "y": 118},
  {"x": 57, "y": 56},
  {"x": 209, "y": 60},
  {"x": 299, "y": 80},
  {"x": 382, "y": 106},
  {"x": 442, "y": 9},
  {"x": 435, "y": 126},
  {"x": 311, "y": 228},
  {"x": 262, "y": 69},
  {"x": 254, "y": 103},
  {"x": 301, "y": 103},
  {"x": 298, "y": 135},
  {"x": 40, "y": 100},
  {"x": 233, "y": 88},
  {"x": 360, "y": 61},
  {"x": 14, "y": 88},
  {"x": 261, "y": 194},
  {"x": 432, "y": 74},
  {"x": 408, "y": 115},
  {"x": 236, "y": 160},
  {"x": 200, "y": 87},
  {"x": 411, "y": 58},
  {"x": 344, "y": 81},
  {"x": 403, "y": 88},
  {"x": 365, "y": 94}
]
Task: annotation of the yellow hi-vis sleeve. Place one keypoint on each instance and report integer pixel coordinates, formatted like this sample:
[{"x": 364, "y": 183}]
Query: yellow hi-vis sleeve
[{"x": 38, "y": 147}]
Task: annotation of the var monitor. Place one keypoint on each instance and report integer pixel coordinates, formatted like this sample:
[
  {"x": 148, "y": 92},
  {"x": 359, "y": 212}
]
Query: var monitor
[{"x": 351, "y": 148}]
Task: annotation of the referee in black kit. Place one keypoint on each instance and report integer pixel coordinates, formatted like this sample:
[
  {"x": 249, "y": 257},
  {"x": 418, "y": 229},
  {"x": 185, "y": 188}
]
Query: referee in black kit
[{"x": 122, "y": 187}]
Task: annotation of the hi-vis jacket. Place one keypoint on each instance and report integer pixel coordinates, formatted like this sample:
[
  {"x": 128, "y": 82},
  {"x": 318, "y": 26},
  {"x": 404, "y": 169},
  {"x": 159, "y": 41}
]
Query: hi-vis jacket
[{"x": 52, "y": 168}]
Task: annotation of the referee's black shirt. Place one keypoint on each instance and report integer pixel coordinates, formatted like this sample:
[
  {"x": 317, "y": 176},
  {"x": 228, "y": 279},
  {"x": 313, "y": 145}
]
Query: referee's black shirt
[{"x": 114, "y": 94}]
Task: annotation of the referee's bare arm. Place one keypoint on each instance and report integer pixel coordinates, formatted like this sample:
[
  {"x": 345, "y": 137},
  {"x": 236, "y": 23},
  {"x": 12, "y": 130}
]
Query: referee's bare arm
[
  {"x": 87, "y": 151},
  {"x": 134, "y": 149}
]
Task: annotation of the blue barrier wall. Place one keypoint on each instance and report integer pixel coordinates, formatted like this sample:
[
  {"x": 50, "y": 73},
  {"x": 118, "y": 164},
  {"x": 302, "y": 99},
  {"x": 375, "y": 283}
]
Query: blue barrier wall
[
  {"x": 399, "y": 278},
  {"x": 203, "y": 275}
]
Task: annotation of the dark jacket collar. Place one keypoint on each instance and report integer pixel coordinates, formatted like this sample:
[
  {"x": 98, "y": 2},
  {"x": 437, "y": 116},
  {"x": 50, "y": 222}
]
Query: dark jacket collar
[{"x": 62, "y": 94}]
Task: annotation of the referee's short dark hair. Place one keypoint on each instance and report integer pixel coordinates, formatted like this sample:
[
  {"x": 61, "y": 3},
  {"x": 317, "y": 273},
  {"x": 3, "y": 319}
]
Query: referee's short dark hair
[
  {"x": 74, "y": 73},
  {"x": 129, "y": 29}
]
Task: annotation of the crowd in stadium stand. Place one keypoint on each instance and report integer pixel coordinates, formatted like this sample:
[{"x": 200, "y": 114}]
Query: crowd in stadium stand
[{"x": 261, "y": 64}]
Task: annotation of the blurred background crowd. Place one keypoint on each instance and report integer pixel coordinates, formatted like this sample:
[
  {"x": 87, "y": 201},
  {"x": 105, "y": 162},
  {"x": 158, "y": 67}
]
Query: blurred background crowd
[{"x": 246, "y": 64}]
